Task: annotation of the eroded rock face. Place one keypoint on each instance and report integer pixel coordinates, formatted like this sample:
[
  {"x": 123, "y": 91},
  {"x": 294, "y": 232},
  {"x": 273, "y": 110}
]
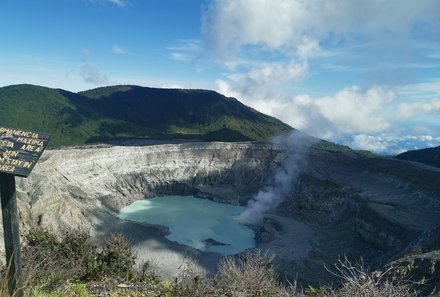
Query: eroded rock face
[
  {"x": 346, "y": 204},
  {"x": 74, "y": 187}
]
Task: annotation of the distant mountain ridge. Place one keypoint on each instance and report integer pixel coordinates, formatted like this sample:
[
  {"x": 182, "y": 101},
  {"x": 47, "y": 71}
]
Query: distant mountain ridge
[
  {"x": 126, "y": 111},
  {"x": 428, "y": 156}
]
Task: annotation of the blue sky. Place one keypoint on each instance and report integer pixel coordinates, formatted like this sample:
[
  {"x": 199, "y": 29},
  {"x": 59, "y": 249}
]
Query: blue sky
[{"x": 365, "y": 73}]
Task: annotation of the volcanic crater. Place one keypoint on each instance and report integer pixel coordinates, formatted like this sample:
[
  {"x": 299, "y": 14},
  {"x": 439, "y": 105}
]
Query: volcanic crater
[{"x": 341, "y": 204}]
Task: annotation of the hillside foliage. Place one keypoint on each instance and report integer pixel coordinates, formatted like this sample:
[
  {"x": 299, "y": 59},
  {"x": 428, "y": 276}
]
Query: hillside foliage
[{"x": 121, "y": 112}]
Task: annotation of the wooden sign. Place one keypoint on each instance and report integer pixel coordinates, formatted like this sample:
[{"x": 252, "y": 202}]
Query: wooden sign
[{"x": 20, "y": 150}]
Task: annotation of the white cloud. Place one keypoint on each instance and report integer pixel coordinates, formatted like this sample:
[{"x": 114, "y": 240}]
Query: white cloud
[
  {"x": 120, "y": 3},
  {"x": 291, "y": 32},
  {"x": 281, "y": 25},
  {"x": 408, "y": 110},
  {"x": 360, "y": 118},
  {"x": 372, "y": 143},
  {"x": 187, "y": 45},
  {"x": 185, "y": 50},
  {"x": 85, "y": 54},
  {"x": 427, "y": 90},
  {"x": 354, "y": 110},
  {"x": 262, "y": 80},
  {"x": 172, "y": 86},
  {"x": 350, "y": 110},
  {"x": 223, "y": 87},
  {"x": 93, "y": 75},
  {"x": 89, "y": 73},
  {"x": 116, "y": 49},
  {"x": 303, "y": 113},
  {"x": 393, "y": 144},
  {"x": 268, "y": 48},
  {"x": 180, "y": 57},
  {"x": 307, "y": 48}
]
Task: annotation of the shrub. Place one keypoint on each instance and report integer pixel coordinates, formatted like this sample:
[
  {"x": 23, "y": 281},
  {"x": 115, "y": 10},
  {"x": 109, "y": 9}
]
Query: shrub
[
  {"x": 49, "y": 257},
  {"x": 78, "y": 251},
  {"x": 252, "y": 274},
  {"x": 358, "y": 282},
  {"x": 75, "y": 256},
  {"x": 41, "y": 238},
  {"x": 117, "y": 257},
  {"x": 193, "y": 283}
]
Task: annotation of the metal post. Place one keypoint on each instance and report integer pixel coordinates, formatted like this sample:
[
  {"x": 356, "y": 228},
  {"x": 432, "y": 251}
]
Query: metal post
[{"x": 11, "y": 232}]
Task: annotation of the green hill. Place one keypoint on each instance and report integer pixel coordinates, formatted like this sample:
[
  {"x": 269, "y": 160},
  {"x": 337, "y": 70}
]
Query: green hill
[
  {"x": 429, "y": 156},
  {"x": 132, "y": 112}
]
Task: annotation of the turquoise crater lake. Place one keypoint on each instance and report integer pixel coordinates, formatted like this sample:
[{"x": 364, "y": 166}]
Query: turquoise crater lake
[{"x": 198, "y": 223}]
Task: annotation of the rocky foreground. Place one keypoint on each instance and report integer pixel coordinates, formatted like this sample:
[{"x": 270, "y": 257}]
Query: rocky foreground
[{"x": 385, "y": 211}]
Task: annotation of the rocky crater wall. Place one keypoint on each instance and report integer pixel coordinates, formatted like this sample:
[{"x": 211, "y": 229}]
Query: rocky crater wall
[
  {"x": 75, "y": 187},
  {"x": 370, "y": 208}
]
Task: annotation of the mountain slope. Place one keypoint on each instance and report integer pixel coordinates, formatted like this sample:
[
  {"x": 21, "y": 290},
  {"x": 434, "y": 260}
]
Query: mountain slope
[
  {"x": 132, "y": 112},
  {"x": 429, "y": 156},
  {"x": 45, "y": 110},
  {"x": 184, "y": 112}
]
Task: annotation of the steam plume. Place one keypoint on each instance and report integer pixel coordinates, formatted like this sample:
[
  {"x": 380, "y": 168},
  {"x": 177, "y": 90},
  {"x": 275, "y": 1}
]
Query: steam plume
[{"x": 296, "y": 145}]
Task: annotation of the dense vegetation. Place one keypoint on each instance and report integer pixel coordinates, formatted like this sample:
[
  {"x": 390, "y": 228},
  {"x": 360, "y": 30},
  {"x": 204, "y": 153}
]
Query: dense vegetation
[
  {"x": 74, "y": 265},
  {"x": 429, "y": 156},
  {"x": 120, "y": 112}
]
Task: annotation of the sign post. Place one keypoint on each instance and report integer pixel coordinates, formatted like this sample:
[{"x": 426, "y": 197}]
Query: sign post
[{"x": 19, "y": 152}]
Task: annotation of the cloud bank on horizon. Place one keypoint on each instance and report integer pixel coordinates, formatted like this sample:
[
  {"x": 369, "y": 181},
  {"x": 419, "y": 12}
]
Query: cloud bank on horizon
[{"x": 288, "y": 58}]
